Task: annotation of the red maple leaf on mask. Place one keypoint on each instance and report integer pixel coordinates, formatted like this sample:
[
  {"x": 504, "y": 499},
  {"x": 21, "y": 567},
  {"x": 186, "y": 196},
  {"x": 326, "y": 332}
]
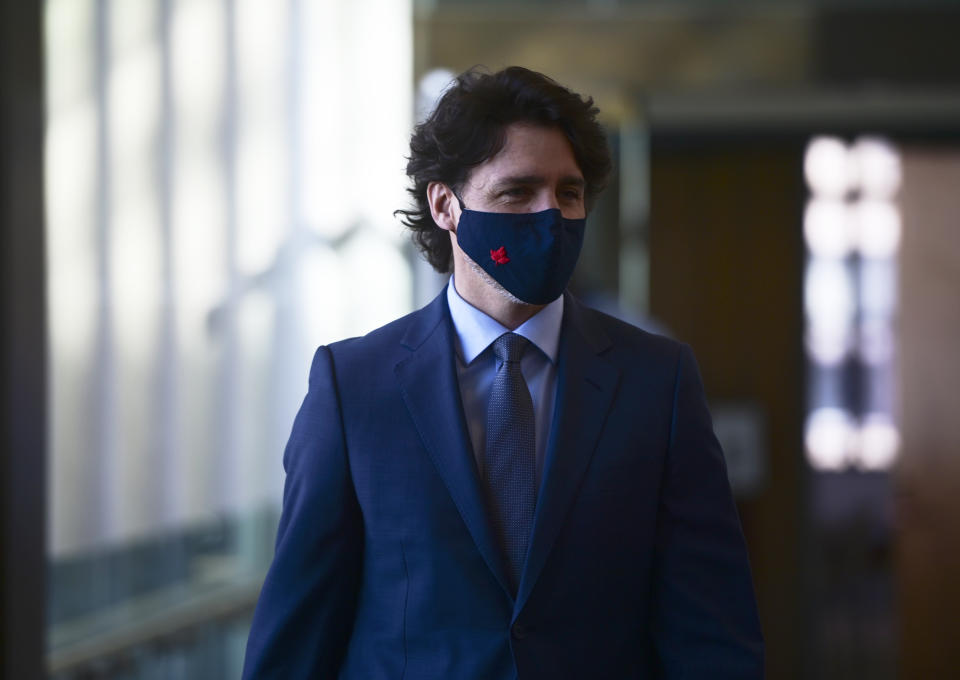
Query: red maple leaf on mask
[{"x": 499, "y": 255}]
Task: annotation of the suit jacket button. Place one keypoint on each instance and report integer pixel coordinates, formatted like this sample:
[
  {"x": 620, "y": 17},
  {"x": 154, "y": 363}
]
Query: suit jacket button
[{"x": 520, "y": 631}]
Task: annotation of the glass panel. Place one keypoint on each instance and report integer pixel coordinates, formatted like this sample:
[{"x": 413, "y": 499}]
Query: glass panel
[{"x": 207, "y": 229}]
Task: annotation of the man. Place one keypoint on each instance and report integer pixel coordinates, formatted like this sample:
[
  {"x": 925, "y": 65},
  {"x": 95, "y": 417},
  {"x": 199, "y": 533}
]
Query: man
[{"x": 506, "y": 484}]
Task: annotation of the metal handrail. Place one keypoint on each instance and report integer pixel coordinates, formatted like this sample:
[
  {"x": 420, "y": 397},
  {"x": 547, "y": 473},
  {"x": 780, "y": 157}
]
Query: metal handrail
[{"x": 150, "y": 620}]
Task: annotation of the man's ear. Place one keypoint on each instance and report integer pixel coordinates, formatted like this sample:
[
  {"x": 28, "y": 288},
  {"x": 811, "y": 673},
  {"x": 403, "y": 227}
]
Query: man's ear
[{"x": 444, "y": 207}]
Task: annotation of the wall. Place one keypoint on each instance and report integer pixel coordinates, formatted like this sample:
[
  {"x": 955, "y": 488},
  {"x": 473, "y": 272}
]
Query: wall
[
  {"x": 928, "y": 506},
  {"x": 725, "y": 265}
]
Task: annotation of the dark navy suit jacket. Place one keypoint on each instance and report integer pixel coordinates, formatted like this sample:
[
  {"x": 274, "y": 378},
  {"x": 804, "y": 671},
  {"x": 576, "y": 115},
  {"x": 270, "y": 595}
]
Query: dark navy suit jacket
[{"x": 386, "y": 566}]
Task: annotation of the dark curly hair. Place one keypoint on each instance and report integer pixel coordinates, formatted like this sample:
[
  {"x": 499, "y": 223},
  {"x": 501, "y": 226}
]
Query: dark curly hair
[{"x": 468, "y": 127}]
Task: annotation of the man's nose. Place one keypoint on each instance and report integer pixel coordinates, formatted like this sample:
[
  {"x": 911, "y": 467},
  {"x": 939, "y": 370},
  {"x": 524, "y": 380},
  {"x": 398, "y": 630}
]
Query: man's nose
[{"x": 546, "y": 200}]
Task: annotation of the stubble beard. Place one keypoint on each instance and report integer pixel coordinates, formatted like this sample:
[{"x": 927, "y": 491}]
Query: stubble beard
[{"x": 490, "y": 281}]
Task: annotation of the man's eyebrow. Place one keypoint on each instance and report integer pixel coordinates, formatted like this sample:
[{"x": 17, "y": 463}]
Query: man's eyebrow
[{"x": 513, "y": 180}]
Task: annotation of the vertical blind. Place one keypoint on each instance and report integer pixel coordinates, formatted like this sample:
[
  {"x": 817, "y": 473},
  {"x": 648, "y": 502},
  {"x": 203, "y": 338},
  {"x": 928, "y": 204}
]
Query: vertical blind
[{"x": 221, "y": 177}]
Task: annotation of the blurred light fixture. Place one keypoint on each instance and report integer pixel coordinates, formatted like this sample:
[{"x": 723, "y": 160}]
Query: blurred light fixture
[
  {"x": 828, "y": 167},
  {"x": 827, "y": 227},
  {"x": 828, "y": 346},
  {"x": 878, "y": 228},
  {"x": 829, "y": 436},
  {"x": 852, "y": 228},
  {"x": 830, "y": 307},
  {"x": 878, "y": 167},
  {"x": 876, "y": 342},
  {"x": 877, "y": 285},
  {"x": 829, "y": 294},
  {"x": 879, "y": 443}
]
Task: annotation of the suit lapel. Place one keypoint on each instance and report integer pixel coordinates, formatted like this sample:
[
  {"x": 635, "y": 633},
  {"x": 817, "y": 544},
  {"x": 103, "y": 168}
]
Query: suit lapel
[
  {"x": 586, "y": 384},
  {"x": 430, "y": 387}
]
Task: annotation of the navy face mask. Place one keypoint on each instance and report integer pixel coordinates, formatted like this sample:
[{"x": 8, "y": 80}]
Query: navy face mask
[{"x": 532, "y": 255}]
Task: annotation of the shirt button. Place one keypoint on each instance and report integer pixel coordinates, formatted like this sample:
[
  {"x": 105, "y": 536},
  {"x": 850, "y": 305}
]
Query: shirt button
[{"x": 520, "y": 631}]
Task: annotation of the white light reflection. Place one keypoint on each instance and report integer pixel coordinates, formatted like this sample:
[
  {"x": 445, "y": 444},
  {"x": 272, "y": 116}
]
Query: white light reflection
[
  {"x": 828, "y": 347},
  {"x": 879, "y": 443},
  {"x": 69, "y": 54},
  {"x": 828, "y": 167},
  {"x": 144, "y": 324},
  {"x": 199, "y": 240},
  {"x": 384, "y": 286},
  {"x": 878, "y": 167},
  {"x": 199, "y": 251},
  {"x": 70, "y": 152},
  {"x": 322, "y": 290},
  {"x": 878, "y": 288},
  {"x": 829, "y": 293},
  {"x": 199, "y": 60},
  {"x": 256, "y": 319},
  {"x": 830, "y": 435},
  {"x": 353, "y": 111},
  {"x": 378, "y": 143},
  {"x": 826, "y": 227},
  {"x": 830, "y": 306},
  {"x": 851, "y": 303},
  {"x": 325, "y": 137},
  {"x": 263, "y": 181},
  {"x": 878, "y": 228},
  {"x": 876, "y": 341},
  {"x": 73, "y": 303},
  {"x": 262, "y": 213},
  {"x": 136, "y": 240}
]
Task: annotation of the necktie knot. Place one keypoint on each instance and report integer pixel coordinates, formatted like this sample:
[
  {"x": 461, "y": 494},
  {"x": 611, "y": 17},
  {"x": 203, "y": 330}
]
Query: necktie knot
[{"x": 509, "y": 347}]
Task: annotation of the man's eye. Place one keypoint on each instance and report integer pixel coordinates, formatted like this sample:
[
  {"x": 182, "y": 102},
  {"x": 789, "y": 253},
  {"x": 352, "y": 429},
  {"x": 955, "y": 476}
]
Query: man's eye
[
  {"x": 571, "y": 194},
  {"x": 516, "y": 191}
]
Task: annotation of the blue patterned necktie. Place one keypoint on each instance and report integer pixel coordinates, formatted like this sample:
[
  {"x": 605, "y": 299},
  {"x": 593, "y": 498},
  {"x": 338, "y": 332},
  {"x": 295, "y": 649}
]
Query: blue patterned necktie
[{"x": 509, "y": 465}]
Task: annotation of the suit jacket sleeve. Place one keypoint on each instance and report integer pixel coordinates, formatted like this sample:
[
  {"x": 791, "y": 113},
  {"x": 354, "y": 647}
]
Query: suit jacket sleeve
[
  {"x": 704, "y": 618},
  {"x": 304, "y": 617}
]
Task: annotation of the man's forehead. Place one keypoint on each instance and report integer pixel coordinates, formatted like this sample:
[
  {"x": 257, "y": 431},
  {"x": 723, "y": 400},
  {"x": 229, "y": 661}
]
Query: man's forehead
[{"x": 531, "y": 154}]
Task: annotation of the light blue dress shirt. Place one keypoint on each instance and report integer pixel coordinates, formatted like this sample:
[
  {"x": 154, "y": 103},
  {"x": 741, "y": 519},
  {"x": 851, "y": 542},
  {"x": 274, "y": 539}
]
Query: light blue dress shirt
[{"x": 477, "y": 366}]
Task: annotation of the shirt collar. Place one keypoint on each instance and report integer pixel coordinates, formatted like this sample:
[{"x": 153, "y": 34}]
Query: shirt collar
[{"x": 475, "y": 330}]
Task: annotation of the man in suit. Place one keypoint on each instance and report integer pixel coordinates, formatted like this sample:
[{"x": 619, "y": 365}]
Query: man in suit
[{"x": 505, "y": 483}]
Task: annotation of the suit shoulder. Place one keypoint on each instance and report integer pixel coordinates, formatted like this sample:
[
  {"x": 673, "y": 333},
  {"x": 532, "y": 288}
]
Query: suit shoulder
[
  {"x": 386, "y": 334},
  {"x": 634, "y": 339},
  {"x": 369, "y": 346},
  {"x": 386, "y": 343}
]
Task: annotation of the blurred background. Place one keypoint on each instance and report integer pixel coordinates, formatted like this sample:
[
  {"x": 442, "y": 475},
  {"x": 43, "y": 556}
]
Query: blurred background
[{"x": 196, "y": 193}]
